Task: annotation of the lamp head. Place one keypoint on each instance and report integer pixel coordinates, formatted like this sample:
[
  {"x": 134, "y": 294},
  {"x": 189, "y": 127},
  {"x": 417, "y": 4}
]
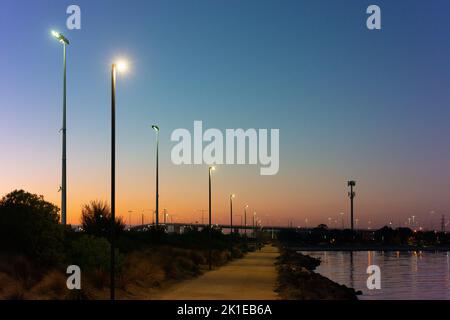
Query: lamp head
[
  {"x": 212, "y": 168},
  {"x": 155, "y": 127},
  {"x": 232, "y": 195},
  {"x": 351, "y": 183},
  {"x": 120, "y": 65},
  {"x": 58, "y": 36}
]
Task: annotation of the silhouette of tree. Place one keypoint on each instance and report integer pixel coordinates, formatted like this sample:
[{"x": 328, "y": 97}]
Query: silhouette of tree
[
  {"x": 29, "y": 225},
  {"x": 96, "y": 219}
]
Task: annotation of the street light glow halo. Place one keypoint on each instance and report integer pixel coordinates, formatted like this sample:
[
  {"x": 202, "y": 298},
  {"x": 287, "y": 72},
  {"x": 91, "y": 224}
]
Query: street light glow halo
[{"x": 121, "y": 65}]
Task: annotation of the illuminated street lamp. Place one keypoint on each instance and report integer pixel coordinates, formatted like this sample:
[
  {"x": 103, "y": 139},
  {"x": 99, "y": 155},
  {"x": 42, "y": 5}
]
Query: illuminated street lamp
[
  {"x": 118, "y": 66},
  {"x": 156, "y": 128},
  {"x": 63, "y": 40},
  {"x": 231, "y": 212}
]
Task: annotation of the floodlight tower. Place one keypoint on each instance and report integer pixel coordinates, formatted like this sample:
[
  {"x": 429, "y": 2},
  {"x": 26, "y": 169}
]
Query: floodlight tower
[{"x": 351, "y": 194}]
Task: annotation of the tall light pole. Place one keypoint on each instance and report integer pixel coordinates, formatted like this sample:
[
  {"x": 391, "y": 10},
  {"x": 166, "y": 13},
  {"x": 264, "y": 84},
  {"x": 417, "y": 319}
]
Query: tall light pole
[
  {"x": 254, "y": 230},
  {"x": 231, "y": 212},
  {"x": 64, "y": 42},
  {"x": 351, "y": 194},
  {"x": 129, "y": 218},
  {"x": 120, "y": 66},
  {"x": 156, "y": 128},
  {"x": 245, "y": 219},
  {"x": 210, "y": 169}
]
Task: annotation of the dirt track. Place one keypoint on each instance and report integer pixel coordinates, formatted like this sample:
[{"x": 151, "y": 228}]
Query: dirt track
[{"x": 252, "y": 277}]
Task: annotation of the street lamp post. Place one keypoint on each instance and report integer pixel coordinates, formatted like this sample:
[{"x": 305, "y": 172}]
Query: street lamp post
[
  {"x": 156, "y": 128},
  {"x": 119, "y": 66},
  {"x": 209, "y": 220},
  {"x": 245, "y": 219},
  {"x": 231, "y": 212},
  {"x": 64, "y": 42},
  {"x": 254, "y": 229},
  {"x": 129, "y": 218}
]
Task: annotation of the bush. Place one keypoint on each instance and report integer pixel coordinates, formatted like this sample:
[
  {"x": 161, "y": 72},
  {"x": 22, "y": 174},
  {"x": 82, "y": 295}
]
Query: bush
[
  {"x": 51, "y": 286},
  {"x": 29, "y": 225},
  {"x": 197, "y": 257},
  {"x": 92, "y": 255},
  {"x": 141, "y": 268},
  {"x": 220, "y": 257},
  {"x": 96, "y": 220}
]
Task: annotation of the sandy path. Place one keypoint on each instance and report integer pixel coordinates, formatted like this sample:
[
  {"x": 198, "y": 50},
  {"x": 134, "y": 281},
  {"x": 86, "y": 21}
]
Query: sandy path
[{"x": 252, "y": 277}]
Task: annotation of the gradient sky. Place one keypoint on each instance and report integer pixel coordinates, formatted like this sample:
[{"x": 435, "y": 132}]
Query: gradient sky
[{"x": 350, "y": 104}]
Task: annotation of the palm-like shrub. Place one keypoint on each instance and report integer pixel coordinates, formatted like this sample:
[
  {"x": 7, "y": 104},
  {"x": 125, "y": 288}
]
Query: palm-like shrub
[{"x": 96, "y": 219}]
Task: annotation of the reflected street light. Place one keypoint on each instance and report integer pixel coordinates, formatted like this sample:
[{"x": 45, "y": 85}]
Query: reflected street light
[{"x": 64, "y": 42}]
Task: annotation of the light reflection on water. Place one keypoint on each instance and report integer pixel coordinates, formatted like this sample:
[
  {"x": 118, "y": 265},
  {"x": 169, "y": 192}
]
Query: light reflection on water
[{"x": 404, "y": 275}]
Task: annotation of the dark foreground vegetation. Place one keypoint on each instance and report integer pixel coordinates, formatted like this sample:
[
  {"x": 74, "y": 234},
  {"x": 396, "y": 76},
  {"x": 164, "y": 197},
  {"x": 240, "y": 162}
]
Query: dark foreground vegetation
[
  {"x": 35, "y": 251},
  {"x": 298, "y": 281}
]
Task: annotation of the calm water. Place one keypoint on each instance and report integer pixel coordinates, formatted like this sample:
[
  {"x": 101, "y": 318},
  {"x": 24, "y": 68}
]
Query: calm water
[{"x": 404, "y": 275}]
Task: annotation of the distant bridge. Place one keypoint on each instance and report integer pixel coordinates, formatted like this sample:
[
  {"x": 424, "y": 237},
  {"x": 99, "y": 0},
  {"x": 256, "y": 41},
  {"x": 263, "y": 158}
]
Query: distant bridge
[{"x": 176, "y": 225}]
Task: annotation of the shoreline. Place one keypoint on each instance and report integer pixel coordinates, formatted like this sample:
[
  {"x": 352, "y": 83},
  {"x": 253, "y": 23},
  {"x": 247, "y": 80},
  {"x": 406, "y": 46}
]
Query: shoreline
[
  {"x": 369, "y": 248},
  {"x": 297, "y": 279}
]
